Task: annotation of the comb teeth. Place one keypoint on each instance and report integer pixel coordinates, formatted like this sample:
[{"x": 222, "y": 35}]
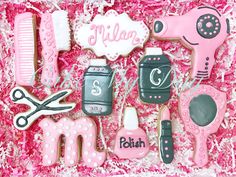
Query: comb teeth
[{"x": 25, "y": 49}]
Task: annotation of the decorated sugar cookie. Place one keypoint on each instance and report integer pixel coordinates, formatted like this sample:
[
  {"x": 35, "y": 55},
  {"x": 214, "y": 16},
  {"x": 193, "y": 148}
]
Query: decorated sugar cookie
[
  {"x": 112, "y": 35},
  {"x": 84, "y": 127},
  {"x": 25, "y": 49},
  {"x": 97, "y": 92},
  {"x": 55, "y": 37},
  {"x": 202, "y": 29},
  {"x": 202, "y": 109},
  {"x": 48, "y": 106},
  {"x": 165, "y": 136},
  {"x": 131, "y": 141},
  {"x": 154, "y": 76}
]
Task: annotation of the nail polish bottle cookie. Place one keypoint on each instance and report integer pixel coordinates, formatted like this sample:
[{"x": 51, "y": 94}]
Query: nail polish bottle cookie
[
  {"x": 131, "y": 141},
  {"x": 97, "y": 93},
  {"x": 154, "y": 77}
]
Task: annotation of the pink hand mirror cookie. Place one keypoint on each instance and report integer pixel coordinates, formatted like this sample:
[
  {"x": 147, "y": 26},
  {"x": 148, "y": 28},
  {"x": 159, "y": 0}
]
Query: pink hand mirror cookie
[
  {"x": 202, "y": 29},
  {"x": 202, "y": 109}
]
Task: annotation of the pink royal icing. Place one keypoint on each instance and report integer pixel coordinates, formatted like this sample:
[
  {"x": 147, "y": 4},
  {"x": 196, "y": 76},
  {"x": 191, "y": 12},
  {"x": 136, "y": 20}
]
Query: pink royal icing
[
  {"x": 202, "y": 29},
  {"x": 116, "y": 35},
  {"x": 50, "y": 71},
  {"x": 25, "y": 49},
  {"x": 72, "y": 130},
  {"x": 202, "y": 132},
  {"x": 165, "y": 113},
  {"x": 131, "y": 144},
  {"x": 131, "y": 141}
]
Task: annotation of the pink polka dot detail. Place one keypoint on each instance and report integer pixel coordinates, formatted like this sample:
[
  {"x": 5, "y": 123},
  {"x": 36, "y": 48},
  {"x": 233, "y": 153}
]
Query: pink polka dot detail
[{"x": 85, "y": 127}]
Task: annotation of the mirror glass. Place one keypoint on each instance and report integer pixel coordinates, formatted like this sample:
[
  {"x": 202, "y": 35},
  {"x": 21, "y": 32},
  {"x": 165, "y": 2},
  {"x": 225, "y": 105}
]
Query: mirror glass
[{"x": 202, "y": 109}]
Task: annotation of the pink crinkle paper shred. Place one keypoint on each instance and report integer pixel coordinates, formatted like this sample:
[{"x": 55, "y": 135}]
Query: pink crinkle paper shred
[{"x": 21, "y": 151}]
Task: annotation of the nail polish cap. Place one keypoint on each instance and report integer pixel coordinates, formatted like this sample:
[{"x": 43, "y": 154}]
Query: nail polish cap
[
  {"x": 130, "y": 118},
  {"x": 153, "y": 51},
  {"x": 98, "y": 62}
]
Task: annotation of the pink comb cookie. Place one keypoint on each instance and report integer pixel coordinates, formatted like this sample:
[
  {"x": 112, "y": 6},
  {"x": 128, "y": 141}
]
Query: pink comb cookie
[
  {"x": 25, "y": 49},
  {"x": 55, "y": 37},
  {"x": 72, "y": 130},
  {"x": 202, "y": 29}
]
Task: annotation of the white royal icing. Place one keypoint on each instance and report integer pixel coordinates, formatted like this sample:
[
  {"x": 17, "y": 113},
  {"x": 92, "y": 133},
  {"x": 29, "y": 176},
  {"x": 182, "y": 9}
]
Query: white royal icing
[{"x": 112, "y": 35}]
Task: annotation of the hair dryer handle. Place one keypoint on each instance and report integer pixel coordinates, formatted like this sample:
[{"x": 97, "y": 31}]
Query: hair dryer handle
[{"x": 202, "y": 64}]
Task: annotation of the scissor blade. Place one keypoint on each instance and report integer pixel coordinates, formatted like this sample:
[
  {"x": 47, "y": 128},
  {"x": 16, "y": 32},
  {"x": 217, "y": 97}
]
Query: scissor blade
[
  {"x": 56, "y": 97},
  {"x": 59, "y": 108}
]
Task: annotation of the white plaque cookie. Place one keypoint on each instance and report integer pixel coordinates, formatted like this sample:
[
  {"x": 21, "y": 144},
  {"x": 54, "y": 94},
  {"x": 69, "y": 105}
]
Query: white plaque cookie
[{"x": 112, "y": 35}]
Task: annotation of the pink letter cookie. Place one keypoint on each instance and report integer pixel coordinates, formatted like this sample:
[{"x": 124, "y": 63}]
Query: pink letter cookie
[
  {"x": 202, "y": 29},
  {"x": 202, "y": 109},
  {"x": 112, "y": 35},
  {"x": 71, "y": 129}
]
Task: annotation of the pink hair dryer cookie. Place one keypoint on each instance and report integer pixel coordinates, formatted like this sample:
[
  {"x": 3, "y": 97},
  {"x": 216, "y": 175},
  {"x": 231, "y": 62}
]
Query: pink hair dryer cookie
[
  {"x": 202, "y": 109},
  {"x": 202, "y": 29}
]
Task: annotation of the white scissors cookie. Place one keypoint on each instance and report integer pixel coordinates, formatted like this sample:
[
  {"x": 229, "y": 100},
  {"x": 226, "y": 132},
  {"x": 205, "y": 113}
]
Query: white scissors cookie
[{"x": 48, "y": 106}]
